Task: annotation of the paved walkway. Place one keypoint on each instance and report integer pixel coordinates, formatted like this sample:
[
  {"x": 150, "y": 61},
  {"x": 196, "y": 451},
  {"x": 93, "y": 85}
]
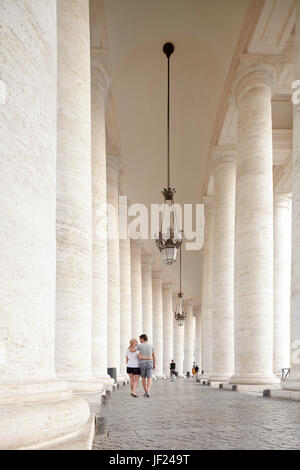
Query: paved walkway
[{"x": 184, "y": 415}]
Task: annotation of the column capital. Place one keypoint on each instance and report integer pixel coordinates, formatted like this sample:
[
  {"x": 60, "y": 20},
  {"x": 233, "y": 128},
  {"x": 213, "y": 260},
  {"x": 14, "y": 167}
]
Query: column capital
[
  {"x": 283, "y": 200},
  {"x": 136, "y": 241},
  {"x": 147, "y": 260},
  {"x": 197, "y": 310},
  {"x": 175, "y": 295},
  {"x": 100, "y": 64},
  {"x": 207, "y": 200},
  {"x": 253, "y": 76},
  {"x": 223, "y": 154},
  {"x": 156, "y": 275},
  {"x": 113, "y": 162},
  {"x": 168, "y": 286}
]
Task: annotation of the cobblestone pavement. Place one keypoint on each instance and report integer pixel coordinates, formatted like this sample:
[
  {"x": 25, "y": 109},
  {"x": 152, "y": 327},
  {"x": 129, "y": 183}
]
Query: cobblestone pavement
[{"x": 185, "y": 415}]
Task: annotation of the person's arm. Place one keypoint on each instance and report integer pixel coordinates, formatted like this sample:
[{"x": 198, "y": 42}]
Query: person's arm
[
  {"x": 144, "y": 357},
  {"x": 126, "y": 359},
  {"x": 154, "y": 359}
]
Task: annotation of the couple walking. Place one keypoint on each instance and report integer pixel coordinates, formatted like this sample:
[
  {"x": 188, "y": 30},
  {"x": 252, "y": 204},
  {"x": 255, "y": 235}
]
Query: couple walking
[{"x": 140, "y": 360}]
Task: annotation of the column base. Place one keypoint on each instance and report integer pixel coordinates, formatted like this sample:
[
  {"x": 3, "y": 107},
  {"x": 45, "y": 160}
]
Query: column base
[
  {"x": 227, "y": 386},
  {"x": 219, "y": 378},
  {"x": 82, "y": 440},
  {"x": 204, "y": 382},
  {"x": 284, "y": 394},
  {"x": 33, "y": 415},
  {"x": 158, "y": 376},
  {"x": 107, "y": 382},
  {"x": 215, "y": 384},
  {"x": 204, "y": 376},
  {"x": 253, "y": 380},
  {"x": 88, "y": 385},
  {"x": 121, "y": 380}
]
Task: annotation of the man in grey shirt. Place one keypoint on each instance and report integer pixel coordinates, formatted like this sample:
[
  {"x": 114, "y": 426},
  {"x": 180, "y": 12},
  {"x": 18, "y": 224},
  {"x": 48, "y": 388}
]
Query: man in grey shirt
[{"x": 146, "y": 350}]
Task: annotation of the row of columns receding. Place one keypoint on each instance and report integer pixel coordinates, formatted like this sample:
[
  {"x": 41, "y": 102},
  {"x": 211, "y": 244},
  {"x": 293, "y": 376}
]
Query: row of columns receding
[
  {"x": 246, "y": 277},
  {"x": 65, "y": 290},
  {"x": 71, "y": 299}
]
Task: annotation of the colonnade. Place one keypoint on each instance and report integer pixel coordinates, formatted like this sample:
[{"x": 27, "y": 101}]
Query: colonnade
[
  {"x": 72, "y": 294},
  {"x": 246, "y": 280}
]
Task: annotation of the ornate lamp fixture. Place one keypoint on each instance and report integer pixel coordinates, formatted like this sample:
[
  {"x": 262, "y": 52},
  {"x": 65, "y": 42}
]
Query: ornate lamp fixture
[
  {"x": 169, "y": 239},
  {"x": 180, "y": 312}
]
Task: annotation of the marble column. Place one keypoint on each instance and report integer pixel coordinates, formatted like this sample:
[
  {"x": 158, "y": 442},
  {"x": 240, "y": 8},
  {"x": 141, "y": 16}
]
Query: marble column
[
  {"x": 189, "y": 335},
  {"x": 136, "y": 289},
  {"x": 224, "y": 172},
  {"x": 125, "y": 301},
  {"x": 157, "y": 321},
  {"x": 99, "y": 88},
  {"x": 178, "y": 341},
  {"x": 293, "y": 381},
  {"x": 198, "y": 336},
  {"x": 35, "y": 408},
  {"x": 254, "y": 229},
  {"x": 74, "y": 198},
  {"x": 167, "y": 327},
  {"x": 206, "y": 301},
  {"x": 282, "y": 281},
  {"x": 113, "y": 168},
  {"x": 147, "y": 322}
]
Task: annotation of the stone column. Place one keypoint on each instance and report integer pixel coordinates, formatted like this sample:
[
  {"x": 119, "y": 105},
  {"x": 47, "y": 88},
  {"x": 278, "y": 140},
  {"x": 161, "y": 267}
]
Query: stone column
[
  {"x": 147, "y": 323},
  {"x": 189, "y": 335},
  {"x": 74, "y": 198},
  {"x": 167, "y": 327},
  {"x": 224, "y": 172},
  {"x": 113, "y": 168},
  {"x": 293, "y": 381},
  {"x": 206, "y": 301},
  {"x": 198, "y": 336},
  {"x": 157, "y": 321},
  {"x": 136, "y": 289},
  {"x": 178, "y": 341},
  {"x": 125, "y": 301},
  {"x": 35, "y": 407},
  {"x": 99, "y": 84},
  {"x": 282, "y": 281},
  {"x": 254, "y": 229}
]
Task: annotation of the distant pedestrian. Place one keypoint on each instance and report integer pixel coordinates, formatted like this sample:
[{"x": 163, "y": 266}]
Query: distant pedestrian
[
  {"x": 173, "y": 369},
  {"x": 147, "y": 363},
  {"x": 196, "y": 371}
]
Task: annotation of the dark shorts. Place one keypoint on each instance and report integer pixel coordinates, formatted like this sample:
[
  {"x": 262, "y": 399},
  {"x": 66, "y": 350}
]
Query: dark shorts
[{"x": 134, "y": 370}]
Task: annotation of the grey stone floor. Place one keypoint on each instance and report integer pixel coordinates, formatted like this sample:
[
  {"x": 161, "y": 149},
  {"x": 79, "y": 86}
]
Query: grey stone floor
[{"x": 184, "y": 415}]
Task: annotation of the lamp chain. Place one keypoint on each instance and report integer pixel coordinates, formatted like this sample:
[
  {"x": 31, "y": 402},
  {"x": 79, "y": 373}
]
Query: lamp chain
[{"x": 168, "y": 122}]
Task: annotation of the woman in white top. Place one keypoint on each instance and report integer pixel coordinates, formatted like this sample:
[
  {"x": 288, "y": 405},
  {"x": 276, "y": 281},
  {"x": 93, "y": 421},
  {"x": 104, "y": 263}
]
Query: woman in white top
[{"x": 133, "y": 365}]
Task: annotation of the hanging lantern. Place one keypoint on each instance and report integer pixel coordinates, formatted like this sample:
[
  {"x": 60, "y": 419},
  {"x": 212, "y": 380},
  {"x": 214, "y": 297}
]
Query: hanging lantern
[
  {"x": 180, "y": 311},
  {"x": 169, "y": 238}
]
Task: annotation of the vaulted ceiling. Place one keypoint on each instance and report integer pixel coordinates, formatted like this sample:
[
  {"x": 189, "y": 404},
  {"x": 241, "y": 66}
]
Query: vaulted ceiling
[{"x": 208, "y": 36}]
